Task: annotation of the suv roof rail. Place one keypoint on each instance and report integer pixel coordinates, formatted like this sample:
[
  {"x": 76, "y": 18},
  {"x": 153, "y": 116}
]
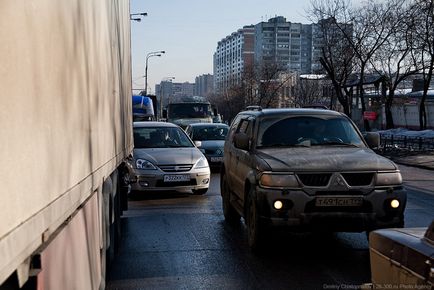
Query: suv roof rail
[
  {"x": 253, "y": 108},
  {"x": 316, "y": 107}
]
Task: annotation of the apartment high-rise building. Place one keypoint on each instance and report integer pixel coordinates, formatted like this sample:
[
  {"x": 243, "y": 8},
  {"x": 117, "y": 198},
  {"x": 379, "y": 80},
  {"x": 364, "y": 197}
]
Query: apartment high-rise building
[
  {"x": 204, "y": 85},
  {"x": 284, "y": 43},
  {"x": 233, "y": 54},
  {"x": 168, "y": 91},
  {"x": 293, "y": 47}
]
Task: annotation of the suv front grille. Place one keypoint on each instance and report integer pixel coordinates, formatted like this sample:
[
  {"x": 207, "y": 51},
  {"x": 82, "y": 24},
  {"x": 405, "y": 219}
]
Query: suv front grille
[
  {"x": 344, "y": 192},
  {"x": 314, "y": 179},
  {"x": 358, "y": 179},
  {"x": 176, "y": 168}
]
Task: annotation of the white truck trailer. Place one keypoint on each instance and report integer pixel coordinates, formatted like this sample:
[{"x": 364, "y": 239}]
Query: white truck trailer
[{"x": 65, "y": 129}]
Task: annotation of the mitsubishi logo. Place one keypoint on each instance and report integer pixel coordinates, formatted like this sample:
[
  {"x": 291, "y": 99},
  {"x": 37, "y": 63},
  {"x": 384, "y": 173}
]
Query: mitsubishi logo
[{"x": 339, "y": 182}]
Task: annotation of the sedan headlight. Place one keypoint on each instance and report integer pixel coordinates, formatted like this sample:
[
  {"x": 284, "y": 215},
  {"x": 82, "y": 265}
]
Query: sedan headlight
[
  {"x": 388, "y": 178},
  {"x": 278, "y": 180},
  {"x": 201, "y": 163},
  {"x": 144, "y": 164}
]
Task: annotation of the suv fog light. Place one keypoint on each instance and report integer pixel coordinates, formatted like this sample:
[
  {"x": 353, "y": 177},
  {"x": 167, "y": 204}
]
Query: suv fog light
[
  {"x": 394, "y": 203},
  {"x": 278, "y": 204},
  {"x": 205, "y": 181},
  {"x": 144, "y": 183}
]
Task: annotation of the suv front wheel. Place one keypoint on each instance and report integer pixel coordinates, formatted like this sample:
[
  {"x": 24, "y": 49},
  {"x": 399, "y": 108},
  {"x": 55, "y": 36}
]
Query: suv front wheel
[
  {"x": 231, "y": 215},
  {"x": 255, "y": 229}
]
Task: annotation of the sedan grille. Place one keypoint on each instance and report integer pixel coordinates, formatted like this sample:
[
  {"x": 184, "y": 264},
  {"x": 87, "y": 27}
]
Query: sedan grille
[
  {"x": 161, "y": 183},
  {"x": 176, "y": 168},
  {"x": 314, "y": 179},
  {"x": 358, "y": 179}
]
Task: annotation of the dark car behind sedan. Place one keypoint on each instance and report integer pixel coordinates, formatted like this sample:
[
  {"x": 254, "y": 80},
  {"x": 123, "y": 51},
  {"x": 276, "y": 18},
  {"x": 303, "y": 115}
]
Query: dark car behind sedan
[{"x": 212, "y": 138}]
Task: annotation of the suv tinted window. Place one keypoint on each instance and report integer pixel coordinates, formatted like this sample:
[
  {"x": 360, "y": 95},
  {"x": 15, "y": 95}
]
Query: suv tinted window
[{"x": 306, "y": 130}]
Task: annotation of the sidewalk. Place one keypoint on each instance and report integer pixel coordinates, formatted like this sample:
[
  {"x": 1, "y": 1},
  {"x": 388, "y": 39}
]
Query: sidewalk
[
  {"x": 421, "y": 160},
  {"x": 417, "y": 170}
]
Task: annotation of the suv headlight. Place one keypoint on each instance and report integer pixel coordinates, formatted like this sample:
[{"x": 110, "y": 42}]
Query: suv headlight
[
  {"x": 388, "y": 178},
  {"x": 144, "y": 164},
  {"x": 278, "y": 180},
  {"x": 201, "y": 163}
]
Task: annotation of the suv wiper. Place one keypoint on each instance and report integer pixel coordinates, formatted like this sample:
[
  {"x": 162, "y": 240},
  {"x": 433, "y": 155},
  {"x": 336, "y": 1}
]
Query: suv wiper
[
  {"x": 337, "y": 143},
  {"x": 285, "y": 145}
]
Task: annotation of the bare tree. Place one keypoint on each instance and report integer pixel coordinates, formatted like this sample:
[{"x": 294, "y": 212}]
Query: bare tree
[
  {"x": 230, "y": 101},
  {"x": 393, "y": 60},
  {"x": 424, "y": 48},
  {"x": 271, "y": 76},
  {"x": 309, "y": 92},
  {"x": 372, "y": 27},
  {"x": 260, "y": 84},
  {"x": 336, "y": 55},
  {"x": 375, "y": 26}
]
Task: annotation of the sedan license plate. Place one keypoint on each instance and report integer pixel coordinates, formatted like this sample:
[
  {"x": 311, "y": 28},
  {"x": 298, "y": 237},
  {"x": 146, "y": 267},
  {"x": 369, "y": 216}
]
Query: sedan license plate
[
  {"x": 338, "y": 201},
  {"x": 176, "y": 178},
  {"x": 216, "y": 159}
]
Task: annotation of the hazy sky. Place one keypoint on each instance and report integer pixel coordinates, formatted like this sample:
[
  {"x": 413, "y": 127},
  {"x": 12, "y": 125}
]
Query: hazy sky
[{"x": 189, "y": 30}]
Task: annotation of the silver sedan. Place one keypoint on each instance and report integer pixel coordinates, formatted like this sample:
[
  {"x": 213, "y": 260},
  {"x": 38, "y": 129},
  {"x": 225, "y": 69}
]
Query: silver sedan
[{"x": 164, "y": 158}]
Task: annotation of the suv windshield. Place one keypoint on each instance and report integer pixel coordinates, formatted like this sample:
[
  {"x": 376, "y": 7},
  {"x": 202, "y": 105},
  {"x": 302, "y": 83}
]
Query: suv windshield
[{"x": 307, "y": 131}]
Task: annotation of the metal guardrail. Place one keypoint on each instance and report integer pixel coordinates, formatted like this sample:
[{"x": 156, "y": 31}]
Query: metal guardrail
[{"x": 391, "y": 143}]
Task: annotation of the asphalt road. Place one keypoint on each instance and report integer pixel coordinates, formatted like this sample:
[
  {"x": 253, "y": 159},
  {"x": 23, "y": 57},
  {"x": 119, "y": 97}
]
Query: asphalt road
[{"x": 179, "y": 241}]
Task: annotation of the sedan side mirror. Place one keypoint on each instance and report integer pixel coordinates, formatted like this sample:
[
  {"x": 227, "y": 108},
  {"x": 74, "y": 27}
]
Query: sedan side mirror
[
  {"x": 373, "y": 139},
  {"x": 198, "y": 143},
  {"x": 241, "y": 141}
]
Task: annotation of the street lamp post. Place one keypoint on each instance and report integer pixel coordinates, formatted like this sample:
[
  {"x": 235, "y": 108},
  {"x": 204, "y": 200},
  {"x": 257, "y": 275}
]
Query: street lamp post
[
  {"x": 151, "y": 54},
  {"x": 165, "y": 79}
]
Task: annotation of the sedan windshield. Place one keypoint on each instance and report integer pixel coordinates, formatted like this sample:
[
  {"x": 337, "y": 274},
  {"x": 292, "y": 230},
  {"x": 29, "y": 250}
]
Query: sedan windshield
[
  {"x": 160, "y": 137},
  {"x": 209, "y": 133},
  {"x": 308, "y": 131}
]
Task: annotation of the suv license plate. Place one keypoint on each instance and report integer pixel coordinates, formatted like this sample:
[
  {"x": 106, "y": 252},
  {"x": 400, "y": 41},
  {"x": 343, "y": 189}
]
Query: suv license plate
[
  {"x": 338, "y": 201},
  {"x": 177, "y": 177}
]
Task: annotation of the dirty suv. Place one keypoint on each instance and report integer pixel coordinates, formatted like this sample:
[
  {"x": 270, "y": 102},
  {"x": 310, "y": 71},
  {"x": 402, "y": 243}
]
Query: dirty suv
[{"x": 308, "y": 170}]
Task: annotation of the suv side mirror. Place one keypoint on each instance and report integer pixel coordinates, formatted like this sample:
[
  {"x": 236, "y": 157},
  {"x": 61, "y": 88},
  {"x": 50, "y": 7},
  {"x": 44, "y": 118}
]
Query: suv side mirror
[
  {"x": 241, "y": 141},
  {"x": 373, "y": 139}
]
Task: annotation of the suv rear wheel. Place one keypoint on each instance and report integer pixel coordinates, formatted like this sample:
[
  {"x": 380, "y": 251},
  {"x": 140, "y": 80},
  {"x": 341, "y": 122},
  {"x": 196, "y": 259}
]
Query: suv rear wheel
[{"x": 231, "y": 215}]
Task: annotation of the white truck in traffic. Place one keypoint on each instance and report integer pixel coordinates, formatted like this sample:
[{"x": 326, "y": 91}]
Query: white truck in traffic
[
  {"x": 65, "y": 127},
  {"x": 193, "y": 110}
]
